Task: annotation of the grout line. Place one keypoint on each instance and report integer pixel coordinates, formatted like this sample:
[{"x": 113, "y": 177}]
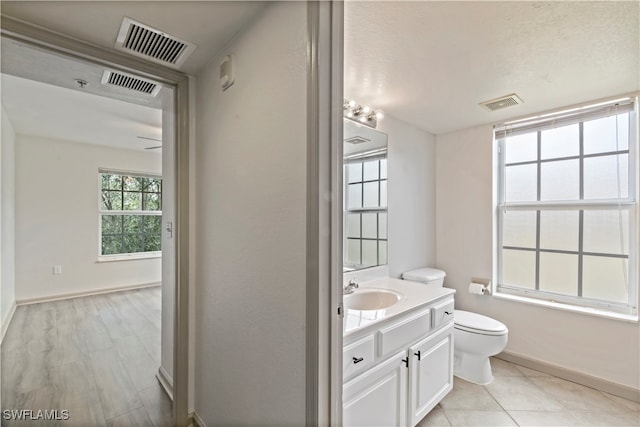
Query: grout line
[
  {"x": 498, "y": 403},
  {"x": 445, "y": 415},
  {"x": 530, "y": 381}
]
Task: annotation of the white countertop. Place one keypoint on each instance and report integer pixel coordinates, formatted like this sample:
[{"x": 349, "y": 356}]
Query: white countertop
[{"x": 412, "y": 295}]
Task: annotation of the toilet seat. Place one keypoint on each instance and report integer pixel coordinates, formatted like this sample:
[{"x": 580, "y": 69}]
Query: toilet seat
[{"x": 478, "y": 324}]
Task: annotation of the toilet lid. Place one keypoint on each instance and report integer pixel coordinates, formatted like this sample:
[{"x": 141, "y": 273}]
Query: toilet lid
[{"x": 474, "y": 322}]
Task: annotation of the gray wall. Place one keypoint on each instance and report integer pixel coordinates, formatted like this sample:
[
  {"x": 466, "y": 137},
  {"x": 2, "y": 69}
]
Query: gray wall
[{"x": 251, "y": 222}]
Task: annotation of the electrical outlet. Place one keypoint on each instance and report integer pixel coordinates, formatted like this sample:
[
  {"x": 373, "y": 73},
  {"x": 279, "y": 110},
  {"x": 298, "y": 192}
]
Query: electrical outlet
[{"x": 57, "y": 269}]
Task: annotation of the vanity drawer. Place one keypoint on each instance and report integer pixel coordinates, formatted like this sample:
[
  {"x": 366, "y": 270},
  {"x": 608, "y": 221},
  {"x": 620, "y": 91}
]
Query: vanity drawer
[
  {"x": 357, "y": 356},
  {"x": 404, "y": 332},
  {"x": 442, "y": 313}
]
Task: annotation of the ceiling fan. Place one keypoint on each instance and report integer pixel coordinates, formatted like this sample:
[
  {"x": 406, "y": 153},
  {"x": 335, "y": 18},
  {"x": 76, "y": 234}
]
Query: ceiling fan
[{"x": 151, "y": 139}]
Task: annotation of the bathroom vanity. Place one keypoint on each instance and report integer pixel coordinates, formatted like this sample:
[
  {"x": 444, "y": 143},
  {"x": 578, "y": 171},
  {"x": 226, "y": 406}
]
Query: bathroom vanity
[{"x": 398, "y": 352}]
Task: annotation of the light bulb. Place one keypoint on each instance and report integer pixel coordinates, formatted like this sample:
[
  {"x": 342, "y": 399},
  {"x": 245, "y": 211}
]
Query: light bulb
[
  {"x": 366, "y": 109},
  {"x": 352, "y": 103},
  {"x": 349, "y": 113},
  {"x": 379, "y": 115}
]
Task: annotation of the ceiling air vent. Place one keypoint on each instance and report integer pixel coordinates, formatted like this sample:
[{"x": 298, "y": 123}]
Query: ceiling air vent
[
  {"x": 356, "y": 140},
  {"x": 502, "y": 102},
  {"x": 154, "y": 45},
  {"x": 130, "y": 82}
]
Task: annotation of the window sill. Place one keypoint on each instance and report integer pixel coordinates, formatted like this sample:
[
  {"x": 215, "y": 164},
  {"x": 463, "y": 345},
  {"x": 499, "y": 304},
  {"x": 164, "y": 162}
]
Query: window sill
[
  {"x": 129, "y": 257},
  {"x": 632, "y": 318}
]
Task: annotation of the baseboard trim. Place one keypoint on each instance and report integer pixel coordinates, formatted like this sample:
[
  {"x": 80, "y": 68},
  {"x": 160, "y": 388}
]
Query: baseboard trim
[
  {"x": 58, "y": 297},
  {"x": 165, "y": 381},
  {"x": 601, "y": 384},
  {"x": 7, "y": 320},
  {"x": 195, "y": 420}
]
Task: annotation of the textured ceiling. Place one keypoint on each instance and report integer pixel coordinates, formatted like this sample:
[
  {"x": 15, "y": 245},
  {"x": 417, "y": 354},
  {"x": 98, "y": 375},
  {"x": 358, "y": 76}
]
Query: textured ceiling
[
  {"x": 97, "y": 114},
  {"x": 50, "y": 111},
  {"x": 431, "y": 63},
  {"x": 28, "y": 62},
  {"x": 428, "y": 63},
  {"x": 208, "y": 24}
]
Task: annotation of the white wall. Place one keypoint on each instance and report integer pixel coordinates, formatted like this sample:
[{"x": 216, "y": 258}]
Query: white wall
[
  {"x": 57, "y": 218},
  {"x": 251, "y": 221},
  {"x": 603, "y": 348},
  {"x": 7, "y": 220},
  {"x": 411, "y": 196}
]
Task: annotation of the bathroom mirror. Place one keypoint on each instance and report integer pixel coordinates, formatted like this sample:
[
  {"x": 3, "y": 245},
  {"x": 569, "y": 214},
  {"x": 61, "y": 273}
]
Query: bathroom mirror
[{"x": 365, "y": 197}]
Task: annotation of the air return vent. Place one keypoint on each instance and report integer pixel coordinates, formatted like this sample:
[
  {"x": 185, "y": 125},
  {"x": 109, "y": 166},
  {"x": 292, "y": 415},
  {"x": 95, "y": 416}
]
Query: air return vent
[
  {"x": 154, "y": 45},
  {"x": 502, "y": 102},
  {"x": 130, "y": 82}
]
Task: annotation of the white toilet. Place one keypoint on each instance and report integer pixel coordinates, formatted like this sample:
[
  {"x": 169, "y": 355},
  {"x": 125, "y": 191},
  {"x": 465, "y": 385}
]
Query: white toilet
[{"x": 475, "y": 338}]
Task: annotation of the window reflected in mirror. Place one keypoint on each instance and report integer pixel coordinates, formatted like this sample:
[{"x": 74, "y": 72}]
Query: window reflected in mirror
[{"x": 365, "y": 197}]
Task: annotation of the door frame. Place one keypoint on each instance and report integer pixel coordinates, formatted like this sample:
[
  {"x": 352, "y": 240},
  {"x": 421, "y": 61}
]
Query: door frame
[
  {"x": 325, "y": 76},
  {"x": 59, "y": 44},
  {"x": 325, "y": 23}
]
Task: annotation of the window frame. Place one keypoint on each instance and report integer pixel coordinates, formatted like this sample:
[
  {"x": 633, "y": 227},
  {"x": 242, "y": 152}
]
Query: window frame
[
  {"x": 378, "y": 155},
  {"x": 630, "y": 203},
  {"x": 122, "y": 212}
]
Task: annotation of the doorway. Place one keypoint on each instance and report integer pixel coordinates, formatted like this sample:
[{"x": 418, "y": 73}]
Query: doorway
[{"x": 151, "y": 227}]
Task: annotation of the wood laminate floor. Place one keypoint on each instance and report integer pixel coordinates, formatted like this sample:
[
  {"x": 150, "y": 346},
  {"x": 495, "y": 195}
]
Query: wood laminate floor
[{"x": 94, "y": 356}]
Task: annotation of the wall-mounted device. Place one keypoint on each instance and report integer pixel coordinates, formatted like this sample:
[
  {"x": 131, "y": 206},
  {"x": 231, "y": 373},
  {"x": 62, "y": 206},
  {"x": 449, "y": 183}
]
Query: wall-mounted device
[{"x": 226, "y": 73}]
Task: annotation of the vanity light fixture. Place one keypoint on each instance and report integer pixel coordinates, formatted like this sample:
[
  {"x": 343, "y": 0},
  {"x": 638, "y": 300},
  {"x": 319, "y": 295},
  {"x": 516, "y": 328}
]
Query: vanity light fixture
[{"x": 361, "y": 114}]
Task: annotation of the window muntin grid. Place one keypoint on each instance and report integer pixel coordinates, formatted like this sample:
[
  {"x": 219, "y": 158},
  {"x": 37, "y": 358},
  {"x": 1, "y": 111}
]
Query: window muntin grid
[
  {"x": 365, "y": 212},
  {"x": 130, "y": 213},
  {"x": 540, "y": 189}
]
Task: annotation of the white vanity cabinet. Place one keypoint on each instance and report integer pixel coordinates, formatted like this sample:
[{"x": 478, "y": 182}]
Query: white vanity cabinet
[
  {"x": 431, "y": 372},
  {"x": 378, "y": 396},
  {"x": 406, "y": 367}
]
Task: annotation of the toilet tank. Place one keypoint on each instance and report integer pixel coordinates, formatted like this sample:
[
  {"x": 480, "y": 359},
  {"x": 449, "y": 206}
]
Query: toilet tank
[{"x": 427, "y": 275}]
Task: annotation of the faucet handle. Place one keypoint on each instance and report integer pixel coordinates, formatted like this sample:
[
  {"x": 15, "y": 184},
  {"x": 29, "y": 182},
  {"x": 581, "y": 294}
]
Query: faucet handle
[{"x": 348, "y": 288}]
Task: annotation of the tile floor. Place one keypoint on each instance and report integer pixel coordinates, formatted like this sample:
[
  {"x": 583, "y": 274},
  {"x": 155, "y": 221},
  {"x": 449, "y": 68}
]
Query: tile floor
[
  {"x": 523, "y": 397},
  {"x": 95, "y": 356}
]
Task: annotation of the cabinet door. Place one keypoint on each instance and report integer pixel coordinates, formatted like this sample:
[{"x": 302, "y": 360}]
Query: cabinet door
[
  {"x": 377, "y": 397},
  {"x": 430, "y": 373}
]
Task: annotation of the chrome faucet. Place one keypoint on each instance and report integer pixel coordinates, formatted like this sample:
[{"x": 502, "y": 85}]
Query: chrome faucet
[{"x": 348, "y": 289}]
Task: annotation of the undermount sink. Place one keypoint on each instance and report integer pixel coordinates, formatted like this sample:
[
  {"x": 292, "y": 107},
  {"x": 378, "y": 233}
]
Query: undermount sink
[{"x": 370, "y": 299}]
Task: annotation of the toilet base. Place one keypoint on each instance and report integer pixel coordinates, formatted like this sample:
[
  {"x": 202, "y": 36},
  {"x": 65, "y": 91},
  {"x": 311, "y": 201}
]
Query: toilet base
[{"x": 473, "y": 368}]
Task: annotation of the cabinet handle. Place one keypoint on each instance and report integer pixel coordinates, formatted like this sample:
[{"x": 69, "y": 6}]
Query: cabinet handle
[
  {"x": 448, "y": 313},
  {"x": 406, "y": 362},
  {"x": 417, "y": 354},
  {"x": 357, "y": 359}
]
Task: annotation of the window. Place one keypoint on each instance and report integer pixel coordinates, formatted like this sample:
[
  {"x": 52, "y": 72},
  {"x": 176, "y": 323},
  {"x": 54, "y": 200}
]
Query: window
[
  {"x": 567, "y": 207},
  {"x": 130, "y": 213},
  {"x": 366, "y": 211}
]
